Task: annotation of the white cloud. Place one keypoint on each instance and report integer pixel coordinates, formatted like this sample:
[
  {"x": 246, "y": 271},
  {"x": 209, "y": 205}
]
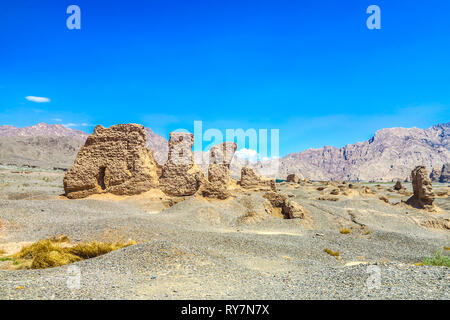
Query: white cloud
[
  {"x": 71, "y": 124},
  {"x": 57, "y": 120},
  {"x": 249, "y": 154},
  {"x": 252, "y": 155},
  {"x": 37, "y": 99}
]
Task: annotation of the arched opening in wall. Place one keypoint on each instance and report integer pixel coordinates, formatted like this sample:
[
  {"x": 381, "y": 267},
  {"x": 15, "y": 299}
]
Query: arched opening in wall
[{"x": 101, "y": 178}]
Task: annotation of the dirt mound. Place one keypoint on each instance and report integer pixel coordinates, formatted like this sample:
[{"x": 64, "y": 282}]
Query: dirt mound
[
  {"x": 289, "y": 208},
  {"x": 251, "y": 180}
]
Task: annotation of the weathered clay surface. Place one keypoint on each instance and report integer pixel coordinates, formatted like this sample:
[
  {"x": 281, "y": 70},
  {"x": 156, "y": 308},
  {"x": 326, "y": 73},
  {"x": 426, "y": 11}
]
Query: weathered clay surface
[
  {"x": 219, "y": 171},
  {"x": 367, "y": 190},
  {"x": 114, "y": 160},
  {"x": 292, "y": 178},
  {"x": 423, "y": 196},
  {"x": 293, "y": 210},
  {"x": 180, "y": 176},
  {"x": 290, "y": 209},
  {"x": 250, "y": 180}
]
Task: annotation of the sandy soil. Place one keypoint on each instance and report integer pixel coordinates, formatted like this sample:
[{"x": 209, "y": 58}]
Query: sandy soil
[{"x": 198, "y": 248}]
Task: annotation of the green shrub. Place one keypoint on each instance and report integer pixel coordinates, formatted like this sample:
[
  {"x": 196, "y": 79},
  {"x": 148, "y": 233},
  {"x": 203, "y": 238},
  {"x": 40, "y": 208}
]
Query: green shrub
[{"x": 437, "y": 260}]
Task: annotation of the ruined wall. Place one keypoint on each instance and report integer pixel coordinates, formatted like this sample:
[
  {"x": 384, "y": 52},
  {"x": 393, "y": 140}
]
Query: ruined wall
[
  {"x": 114, "y": 160},
  {"x": 180, "y": 176},
  {"x": 218, "y": 183},
  {"x": 251, "y": 180}
]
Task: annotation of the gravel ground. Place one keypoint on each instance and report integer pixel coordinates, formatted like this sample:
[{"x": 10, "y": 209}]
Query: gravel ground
[{"x": 200, "y": 249}]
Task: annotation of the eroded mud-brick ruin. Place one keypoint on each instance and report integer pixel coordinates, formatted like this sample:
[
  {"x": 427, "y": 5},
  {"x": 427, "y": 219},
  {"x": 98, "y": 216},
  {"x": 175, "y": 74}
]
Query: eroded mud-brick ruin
[
  {"x": 219, "y": 181},
  {"x": 423, "y": 196},
  {"x": 180, "y": 175},
  {"x": 114, "y": 160}
]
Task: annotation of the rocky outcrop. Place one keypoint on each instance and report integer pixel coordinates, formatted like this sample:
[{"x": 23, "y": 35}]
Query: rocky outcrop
[
  {"x": 423, "y": 196},
  {"x": 293, "y": 210},
  {"x": 367, "y": 190},
  {"x": 292, "y": 178},
  {"x": 114, "y": 160},
  {"x": 398, "y": 185},
  {"x": 251, "y": 180},
  {"x": 445, "y": 173},
  {"x": 435, "y": 175},
  {"x": 289, "y": 209},
  {"x": 219, "y": 171},
  {"x": 180, "y": 176}
]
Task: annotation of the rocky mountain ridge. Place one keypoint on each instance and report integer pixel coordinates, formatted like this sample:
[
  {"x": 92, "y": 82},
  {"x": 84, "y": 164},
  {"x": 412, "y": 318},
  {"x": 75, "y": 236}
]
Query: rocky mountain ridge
[{"x": 389, "y": 155}]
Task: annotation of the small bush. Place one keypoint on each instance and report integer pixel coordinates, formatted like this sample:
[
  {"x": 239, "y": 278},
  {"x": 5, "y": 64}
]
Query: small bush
[
  {"x": 345, "y": 231},
  {"x": 58, "y": 251},
  {"x": 5, "y": 259},
  {"x": 437, "y": 260}
]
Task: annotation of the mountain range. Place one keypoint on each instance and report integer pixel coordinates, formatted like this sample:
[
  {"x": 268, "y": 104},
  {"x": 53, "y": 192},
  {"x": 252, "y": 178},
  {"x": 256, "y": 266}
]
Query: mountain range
[{"x": 389, "y": 155}]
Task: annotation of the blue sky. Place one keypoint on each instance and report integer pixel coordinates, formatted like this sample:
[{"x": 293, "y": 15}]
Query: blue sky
[{"x": 311, "y": 69}]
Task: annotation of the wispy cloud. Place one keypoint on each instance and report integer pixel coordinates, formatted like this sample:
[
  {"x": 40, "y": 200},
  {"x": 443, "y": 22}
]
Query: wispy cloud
[
  {"x": 251, "y": 155},
  {"x": 248, "y": 154},
  {"x": 37, "y": 99},
  {"x": 57, "y": 120},
  {"x": 71, "y": 125}
]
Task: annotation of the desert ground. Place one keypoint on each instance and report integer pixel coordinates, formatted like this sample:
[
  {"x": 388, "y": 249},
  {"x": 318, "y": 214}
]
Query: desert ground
[{"x": 198, "y": 248}]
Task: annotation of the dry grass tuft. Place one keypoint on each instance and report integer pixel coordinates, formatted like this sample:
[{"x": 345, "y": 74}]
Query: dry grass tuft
[
  {"x": 331, "y": 252},
  {"x": 345, "y": 231},
  {"x": 95, "y": 249},
  {"x": 447, "y": 248},
  {"x": 59, "y": 251}
]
